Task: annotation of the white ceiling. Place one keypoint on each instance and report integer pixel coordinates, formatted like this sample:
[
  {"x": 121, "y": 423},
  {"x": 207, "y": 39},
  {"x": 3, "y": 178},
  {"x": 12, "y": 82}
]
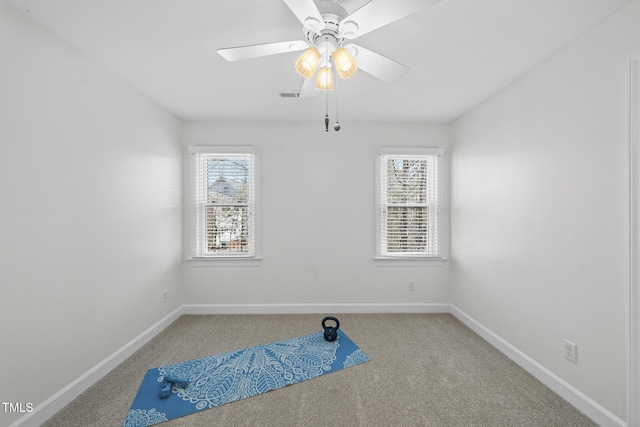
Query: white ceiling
[{"x": 459, "y": 52}]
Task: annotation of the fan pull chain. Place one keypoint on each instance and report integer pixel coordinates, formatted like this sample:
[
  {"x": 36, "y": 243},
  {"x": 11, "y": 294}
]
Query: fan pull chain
[
  {"x": 336, "y": 127},
  {"x": 326, "y": 115}
]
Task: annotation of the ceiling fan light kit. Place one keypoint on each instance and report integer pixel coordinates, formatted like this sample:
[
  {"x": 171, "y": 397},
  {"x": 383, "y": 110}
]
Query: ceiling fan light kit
[
  {"x": 328, "y": 45},
  {"x": 326, "y": 26}
]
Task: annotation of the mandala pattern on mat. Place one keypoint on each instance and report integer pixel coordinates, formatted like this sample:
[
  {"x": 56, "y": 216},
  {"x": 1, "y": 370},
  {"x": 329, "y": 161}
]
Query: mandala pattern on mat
[
  {"x": 355, "y": 358},
  {"x": 142, "y": 418},
  {"x": 227, "y": 377}
]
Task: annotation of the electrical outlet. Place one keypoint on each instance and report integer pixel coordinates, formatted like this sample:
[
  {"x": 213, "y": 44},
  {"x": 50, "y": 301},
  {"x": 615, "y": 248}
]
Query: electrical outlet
[
  {"x": 165, "y": 296},
  {"x": 412, "y": 285},
  {"x": 570, "y": 351}
]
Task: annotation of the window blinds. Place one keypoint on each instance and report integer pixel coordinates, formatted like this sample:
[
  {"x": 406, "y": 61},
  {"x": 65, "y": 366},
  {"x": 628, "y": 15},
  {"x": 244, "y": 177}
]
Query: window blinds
[
  {"x": 223, "y": 207},
  {"x": 411, "y": 199}
]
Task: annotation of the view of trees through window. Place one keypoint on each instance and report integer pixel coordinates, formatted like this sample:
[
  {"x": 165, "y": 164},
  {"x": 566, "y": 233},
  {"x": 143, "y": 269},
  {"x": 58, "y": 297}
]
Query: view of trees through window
[
  {"x": 407, "y": 208},
  {"x": 228, "y": 204}
]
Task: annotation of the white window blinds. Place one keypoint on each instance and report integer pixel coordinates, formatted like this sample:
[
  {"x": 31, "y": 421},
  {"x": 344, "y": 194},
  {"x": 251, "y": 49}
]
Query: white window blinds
[
  {"x": 410, "y": 205},
  {"x": 223, "y": 203}
]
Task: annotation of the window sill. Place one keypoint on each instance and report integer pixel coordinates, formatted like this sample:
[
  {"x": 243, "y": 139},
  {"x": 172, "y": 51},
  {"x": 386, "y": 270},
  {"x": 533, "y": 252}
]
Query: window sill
[
  {"x": 409, "y": 261},
  {"x": 225, "y": 262}
]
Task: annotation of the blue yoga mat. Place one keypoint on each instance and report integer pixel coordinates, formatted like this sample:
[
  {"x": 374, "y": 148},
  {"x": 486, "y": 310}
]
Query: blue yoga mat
[{"x": 227, "y": 377}]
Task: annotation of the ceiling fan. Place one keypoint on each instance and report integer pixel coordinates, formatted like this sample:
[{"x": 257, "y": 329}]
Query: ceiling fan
[{"x": 327, "y": 27}]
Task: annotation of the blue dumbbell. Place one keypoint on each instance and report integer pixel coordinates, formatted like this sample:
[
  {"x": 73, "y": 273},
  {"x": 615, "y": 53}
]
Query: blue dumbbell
[
  {"x": 166, "y": 390},
  {"x": 170, "y": 381},
  {"x": 180, "y": 382}
]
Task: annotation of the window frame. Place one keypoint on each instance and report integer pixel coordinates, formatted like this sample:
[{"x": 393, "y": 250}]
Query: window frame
[
  {"x": 413, "y": 259},
  {"x": 224, "y": 259}
]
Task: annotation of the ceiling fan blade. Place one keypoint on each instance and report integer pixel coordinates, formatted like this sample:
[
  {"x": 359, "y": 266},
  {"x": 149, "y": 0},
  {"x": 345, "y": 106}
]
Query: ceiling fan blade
[
  {"x": 257, "y": 50},
  {"x": 377, "y": 65},
  {"x": 309, "y": 89},
  {"x": 307, "y": 12},
  {"x": 379, "y": 13}
]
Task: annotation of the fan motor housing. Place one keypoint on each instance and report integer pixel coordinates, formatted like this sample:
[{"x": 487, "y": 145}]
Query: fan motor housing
[{"x": 332, "y": 14}]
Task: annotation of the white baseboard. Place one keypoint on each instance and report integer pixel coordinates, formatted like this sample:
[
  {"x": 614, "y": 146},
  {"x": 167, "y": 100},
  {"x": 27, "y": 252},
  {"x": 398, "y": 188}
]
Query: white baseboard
[
  {"x": 565, "y": 390},
  {"x": 583, "y": 403},
  {"x": 55, "y": 403},
  {"x": 313, "y": 308}
]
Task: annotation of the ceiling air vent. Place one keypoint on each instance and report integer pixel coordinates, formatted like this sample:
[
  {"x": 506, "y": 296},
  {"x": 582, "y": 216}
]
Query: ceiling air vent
[{"x": 289, "y": 94}]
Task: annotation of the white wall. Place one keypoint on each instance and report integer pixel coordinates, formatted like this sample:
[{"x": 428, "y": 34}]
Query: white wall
[
  {"x": 540, "y": 210},
  {"x": 317, "y": 217},
  {"x": 90, "y": 212}
]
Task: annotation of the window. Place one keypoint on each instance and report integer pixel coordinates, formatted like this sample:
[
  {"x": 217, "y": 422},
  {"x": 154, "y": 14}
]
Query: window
[
  {"x": 223, "y": 208},
  {"x": 409, "y": 217}
]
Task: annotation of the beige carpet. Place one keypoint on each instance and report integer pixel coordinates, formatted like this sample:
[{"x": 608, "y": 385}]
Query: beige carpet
[{"x": 425, "y": 370}]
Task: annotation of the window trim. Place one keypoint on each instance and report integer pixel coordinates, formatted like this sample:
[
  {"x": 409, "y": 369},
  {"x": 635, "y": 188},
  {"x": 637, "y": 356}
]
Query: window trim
[
  {"x": 413, "y": 260},
  {"x": 225, "y": 260}
]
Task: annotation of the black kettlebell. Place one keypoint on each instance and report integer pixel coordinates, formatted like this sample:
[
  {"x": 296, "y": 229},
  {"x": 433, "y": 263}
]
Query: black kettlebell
[{"x": 330, "y": 332}]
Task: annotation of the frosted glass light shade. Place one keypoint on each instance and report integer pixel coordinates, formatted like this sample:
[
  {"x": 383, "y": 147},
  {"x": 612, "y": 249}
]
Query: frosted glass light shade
[
  {"x": 307, "y": 63},
  {"x": 324, "y": 80},
  {"x": 346, "y": 64}
]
